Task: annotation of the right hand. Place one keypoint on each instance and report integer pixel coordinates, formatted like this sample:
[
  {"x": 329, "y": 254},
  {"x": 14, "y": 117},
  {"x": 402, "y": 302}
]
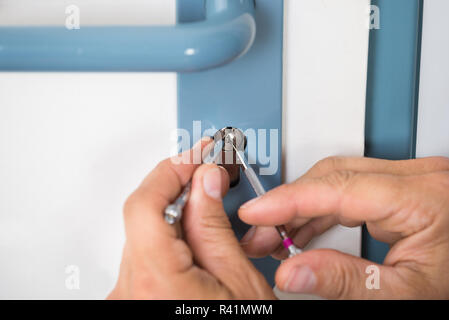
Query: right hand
[{"x": 403, "y": 203}]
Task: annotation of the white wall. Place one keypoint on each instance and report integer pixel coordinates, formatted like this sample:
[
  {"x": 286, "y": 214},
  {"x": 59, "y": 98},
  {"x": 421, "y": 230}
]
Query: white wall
[
  {"x": 433, "y": 113},
  {"x": 74, "y": 145},
  {"x": 92, "y": 12}
]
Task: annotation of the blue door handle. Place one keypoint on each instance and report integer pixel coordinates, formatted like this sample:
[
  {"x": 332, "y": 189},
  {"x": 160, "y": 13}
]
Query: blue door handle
[{"x": 226, "y": 33}]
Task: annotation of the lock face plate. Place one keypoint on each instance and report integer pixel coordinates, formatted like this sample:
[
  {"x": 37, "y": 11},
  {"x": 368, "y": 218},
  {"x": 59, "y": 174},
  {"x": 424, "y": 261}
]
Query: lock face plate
[{"x": 246, "y": 94}]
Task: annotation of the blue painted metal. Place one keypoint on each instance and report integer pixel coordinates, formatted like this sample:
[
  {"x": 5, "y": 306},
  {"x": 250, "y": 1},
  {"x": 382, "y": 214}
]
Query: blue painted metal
[
  {"x": 392, "y": 95},
  {"x": 245, "y": 94},
  {"x": 226, "y": 33}
]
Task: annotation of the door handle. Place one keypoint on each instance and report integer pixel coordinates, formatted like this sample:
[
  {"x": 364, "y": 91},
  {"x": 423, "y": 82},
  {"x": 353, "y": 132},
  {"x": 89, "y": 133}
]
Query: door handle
[{"x": 227, "y": 32}]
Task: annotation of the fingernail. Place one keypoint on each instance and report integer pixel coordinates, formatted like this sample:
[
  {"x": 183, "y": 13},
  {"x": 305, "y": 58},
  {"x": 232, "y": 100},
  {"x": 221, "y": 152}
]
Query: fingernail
[
  {"x": 301, "y": 280},
  {"x": 248, "y": 236},
  {"x": 212, "y": 183},
  {"x": 223, "y": 169},
  {"x": 249, "y": 203}
]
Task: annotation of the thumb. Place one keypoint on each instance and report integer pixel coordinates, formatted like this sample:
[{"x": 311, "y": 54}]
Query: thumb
[
  {"x": 211, "y": 238},
  {"x": 335, "y": 275}
]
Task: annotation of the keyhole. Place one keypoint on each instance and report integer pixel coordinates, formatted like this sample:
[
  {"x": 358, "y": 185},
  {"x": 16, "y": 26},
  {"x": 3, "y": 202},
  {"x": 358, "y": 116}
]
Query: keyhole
[{"x": 228, "y": 159}]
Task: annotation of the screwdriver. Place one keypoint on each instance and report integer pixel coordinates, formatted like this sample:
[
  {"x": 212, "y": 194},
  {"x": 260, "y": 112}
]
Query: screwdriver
[{"x": 287, "y": 242}]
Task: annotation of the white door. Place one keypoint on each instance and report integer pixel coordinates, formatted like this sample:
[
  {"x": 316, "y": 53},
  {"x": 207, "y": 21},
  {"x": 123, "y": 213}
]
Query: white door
[{"x": 74, "y": 145}]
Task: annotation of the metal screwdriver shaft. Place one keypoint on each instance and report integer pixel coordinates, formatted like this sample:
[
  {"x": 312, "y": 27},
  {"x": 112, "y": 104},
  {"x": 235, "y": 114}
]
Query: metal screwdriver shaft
[{"x": 260, "y": 190}]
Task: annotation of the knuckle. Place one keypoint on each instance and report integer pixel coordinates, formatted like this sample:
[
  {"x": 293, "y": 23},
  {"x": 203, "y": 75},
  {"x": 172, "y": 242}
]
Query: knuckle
[
  {"x": 313, "y": 230},
  {"x": 345, "y": 276},
  {"x": 421, "y": 287},
  {"x": 164, "y": 165},
  {"x": 287, "y": 188},
  {"x": 219, "y": 235},
  {"x": 342, "y": 280},
  {"x": 444, "y": 177},
  {"x": 440, "y": 180},
  {"x": 339, "y": 179},
  {"x": 327, "y": 164},
  {"x": 184, "y": 256},
  {"x": 214, "y": 219},
  {"x": 441, "y": 163},
  {"x": 442, "y": 184},
  {"x": 132, "y": 203}
]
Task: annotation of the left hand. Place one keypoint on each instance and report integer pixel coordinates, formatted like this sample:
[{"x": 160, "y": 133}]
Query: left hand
[{"x": 207, "y": 264}]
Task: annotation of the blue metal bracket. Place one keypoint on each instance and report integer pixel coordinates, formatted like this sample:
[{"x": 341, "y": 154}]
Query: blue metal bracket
[
  {"x": 392, "y": 95},
  {"x": 226, "y": 33},
  {"x": 246, "y": 94}
]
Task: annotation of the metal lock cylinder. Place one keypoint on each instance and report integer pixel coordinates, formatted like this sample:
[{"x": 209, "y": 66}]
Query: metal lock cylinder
[{"x": 231, "y": 137}]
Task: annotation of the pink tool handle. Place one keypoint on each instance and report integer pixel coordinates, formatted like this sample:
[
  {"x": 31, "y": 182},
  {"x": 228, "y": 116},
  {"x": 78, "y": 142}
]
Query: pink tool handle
[{"x": 287, "y": 243}]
